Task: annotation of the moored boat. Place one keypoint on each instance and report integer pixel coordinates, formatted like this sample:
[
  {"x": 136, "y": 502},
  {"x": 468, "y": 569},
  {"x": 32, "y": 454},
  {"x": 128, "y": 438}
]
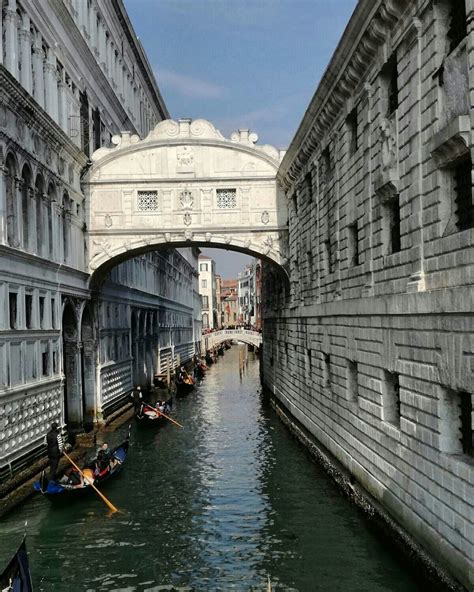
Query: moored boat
[
  {"x": 73, "y": 484},
  {"x": 183, "y": 387},
  {"x": 16, "y": 575}
]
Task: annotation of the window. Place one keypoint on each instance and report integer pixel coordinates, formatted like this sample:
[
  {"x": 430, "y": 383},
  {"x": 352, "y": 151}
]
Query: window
[
  {"x": 53, "y": 313},
  {"x": 203, "y": 267},
  {"x": 353, "y": 131},
  {"x": 203, "y": 283},
  {"x": 352, "y": 381},
  {"x": 41, "y": 311},
  {"x": 327, "y": 164},
  {"x": 353, "y": 244},
  {"x": 205, "y": 321},
  {"x": 13, "y": 309},
  {"x": 308, "y": 180},
  {"x": 463, "y": 195},
  {"x": 226, "y": 198},
  {"x": 29, "y": 310},
  {"x": 390, "y": 76},
  {"x": 205, "y": 302},
  {"x": 147, "y": 201},
  {"x": 392, "y": 237},
  {"x": 85, "y": 125},
  {"x": 455, "y": 422},
  {"x": 45, "y": 358},
  {"x": 328, "y": 256},
  {"x": 327, "y": 379},
  {"x": 466, "y": 418},
  {"x": 457, "y": 23},
  {"x": 391, "y": 398}
]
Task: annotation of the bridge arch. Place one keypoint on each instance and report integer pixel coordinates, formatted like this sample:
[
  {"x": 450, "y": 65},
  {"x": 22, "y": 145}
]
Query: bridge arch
[
  {"x": 184, "y": 185},
  {"x": 210, "y": 340}
]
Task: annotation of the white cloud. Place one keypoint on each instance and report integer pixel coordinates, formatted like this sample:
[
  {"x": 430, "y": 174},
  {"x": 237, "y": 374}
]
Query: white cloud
[{"x": 189, "y": 86}]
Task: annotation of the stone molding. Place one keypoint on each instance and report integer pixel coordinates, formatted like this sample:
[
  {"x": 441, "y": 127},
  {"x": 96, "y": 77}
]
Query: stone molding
[
  {"x": 347, "y": 69},
  {"x": 452, "y": 142}
]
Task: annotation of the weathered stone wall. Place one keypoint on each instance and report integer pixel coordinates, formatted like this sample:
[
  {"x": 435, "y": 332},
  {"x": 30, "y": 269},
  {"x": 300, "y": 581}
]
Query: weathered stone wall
[{"x": 373, "y": 350}]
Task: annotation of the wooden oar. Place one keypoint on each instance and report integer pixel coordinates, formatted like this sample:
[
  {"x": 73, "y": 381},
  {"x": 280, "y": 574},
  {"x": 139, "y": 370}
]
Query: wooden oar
[
  {"x": 104, "y": 499},
  {"x": 161, "y": 413}
]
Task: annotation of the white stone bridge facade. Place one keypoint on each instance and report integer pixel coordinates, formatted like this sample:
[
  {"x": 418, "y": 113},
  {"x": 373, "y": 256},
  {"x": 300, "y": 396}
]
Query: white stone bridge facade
[
  {"x": 217, "y": 337},
  {"x": 184, "y": 185}
]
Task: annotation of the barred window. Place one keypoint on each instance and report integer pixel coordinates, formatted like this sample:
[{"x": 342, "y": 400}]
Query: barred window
[
  {"x": 226, "y": 198},
  {"x": 147, "y": 201}
]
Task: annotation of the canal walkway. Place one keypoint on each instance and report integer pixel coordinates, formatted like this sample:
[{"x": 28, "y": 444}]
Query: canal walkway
[{"x": 218, "y": 505}]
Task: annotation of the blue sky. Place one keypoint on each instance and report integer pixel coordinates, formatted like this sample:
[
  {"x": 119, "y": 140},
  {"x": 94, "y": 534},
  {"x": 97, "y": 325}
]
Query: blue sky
[{"x": 240, "y": 63}]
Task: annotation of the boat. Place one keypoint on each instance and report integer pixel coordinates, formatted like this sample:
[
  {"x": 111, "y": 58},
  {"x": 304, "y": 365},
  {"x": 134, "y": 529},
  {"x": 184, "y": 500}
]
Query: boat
[
  {"x": 150, "y": 415},
  {"x": 75, "y": 486},
  {"x": 209, "y": 358},
  {"x": 185, "y": 386},
  {"x": 16, "y": 575}
]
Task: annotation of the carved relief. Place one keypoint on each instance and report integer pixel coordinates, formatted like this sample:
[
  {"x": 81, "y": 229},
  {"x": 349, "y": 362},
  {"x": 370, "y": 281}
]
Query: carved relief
[
  {"x": 389, "y": 145},
  {"x": 187, "y": 219},
  {"x": 185, "y": 159},
  {"x": 265, "y": 217},
  {"x": 186, "y": 200}
]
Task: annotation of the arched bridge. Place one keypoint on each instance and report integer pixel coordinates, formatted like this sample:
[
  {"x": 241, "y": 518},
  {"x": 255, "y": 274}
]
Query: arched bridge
[
  {"x": 185, "y": 184},
  {"x": 216, "y": 337}
]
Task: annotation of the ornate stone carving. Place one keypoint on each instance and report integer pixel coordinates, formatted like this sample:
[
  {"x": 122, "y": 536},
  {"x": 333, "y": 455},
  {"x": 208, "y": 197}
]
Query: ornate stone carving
[
  {"x": 188, "y": 235},
  {"x": 208, "y": 237},
  {"x": 186, "y": 200},
  {"x": 265, "y": 217},
  {"x": 187, "y": 219},
  {"x": 108, "y": 221},
  {"x": 389, "y": 144},
  {"x": 167, "y": 237},
  {"x": 185, "y": 159}
]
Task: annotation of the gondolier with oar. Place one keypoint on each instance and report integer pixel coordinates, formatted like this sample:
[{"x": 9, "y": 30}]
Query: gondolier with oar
[{"x": 55, "y": 445}]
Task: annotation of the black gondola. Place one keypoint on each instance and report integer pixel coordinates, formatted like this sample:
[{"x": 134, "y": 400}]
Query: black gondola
[
  {"x": 183, "y": 388},
  {"x": 147, "y": 414},
  {"x": 209, "y": 359},
  {"x": 62, "y": 489},
  {"x": 16, "y": 576}
]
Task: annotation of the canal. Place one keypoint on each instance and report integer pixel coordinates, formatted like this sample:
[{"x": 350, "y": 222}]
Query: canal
[{"x": 218, "y": 505}]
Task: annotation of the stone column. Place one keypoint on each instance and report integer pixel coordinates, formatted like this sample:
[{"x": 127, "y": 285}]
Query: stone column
[
  {"x": 19, "y": 209},
  {"x": 38, "y": 73},
  {"x": 73, "y": 382},
  {"x": 62, "y": 105},
  {"x": 57, "y": 253},
  {"x": 31, "y": 220},
  {"x": 51, "y": 86},
  {"x": 93, "y": 28},
  {"x": 102, "y": 48},
  {"x": 3, "y": 206},
  {"x": 25, "y": 41},
  {"x": 11, "y": 41}
]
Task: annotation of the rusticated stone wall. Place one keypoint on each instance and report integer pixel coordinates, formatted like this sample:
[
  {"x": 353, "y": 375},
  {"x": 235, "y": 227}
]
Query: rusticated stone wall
[{"x": 373, "y": 350}]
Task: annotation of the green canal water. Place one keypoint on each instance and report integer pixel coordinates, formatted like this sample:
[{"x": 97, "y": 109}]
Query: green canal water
[{"x": 219, "y": 505}]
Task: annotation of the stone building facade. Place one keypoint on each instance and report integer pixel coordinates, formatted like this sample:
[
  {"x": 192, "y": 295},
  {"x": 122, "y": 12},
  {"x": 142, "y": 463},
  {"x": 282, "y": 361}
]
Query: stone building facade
[
  {"x": 372, "y": 351},
  {"x": 208, "y": 290},
  {"x": 72, "y": 74}
]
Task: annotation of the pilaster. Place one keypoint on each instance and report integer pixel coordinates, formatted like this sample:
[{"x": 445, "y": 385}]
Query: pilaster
[
  {"x": 25, "y": 42},
  {"x": 11, "y": 41}
]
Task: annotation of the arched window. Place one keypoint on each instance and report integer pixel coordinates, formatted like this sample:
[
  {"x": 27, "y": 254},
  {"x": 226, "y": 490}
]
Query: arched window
[
  {"x": 39, "y": 191},
  {"x": 66, "y": 229},
  {"x": 11, "y": 199},
  {"x": 49, "y": 215},
  {"x": 26, "y": 205}
]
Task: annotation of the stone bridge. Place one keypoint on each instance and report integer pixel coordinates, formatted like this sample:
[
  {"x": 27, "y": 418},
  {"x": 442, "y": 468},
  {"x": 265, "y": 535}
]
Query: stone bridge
[
  {"x": 185, "y": 184},
  {"x": 216, "y": 337}
]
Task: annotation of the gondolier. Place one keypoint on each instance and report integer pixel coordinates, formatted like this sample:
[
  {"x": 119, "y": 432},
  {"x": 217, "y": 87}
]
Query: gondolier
[{"x": 55, "y": 445}]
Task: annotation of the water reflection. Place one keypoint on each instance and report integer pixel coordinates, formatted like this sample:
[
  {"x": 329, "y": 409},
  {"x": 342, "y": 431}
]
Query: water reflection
[{"x": 217, "y": 505}]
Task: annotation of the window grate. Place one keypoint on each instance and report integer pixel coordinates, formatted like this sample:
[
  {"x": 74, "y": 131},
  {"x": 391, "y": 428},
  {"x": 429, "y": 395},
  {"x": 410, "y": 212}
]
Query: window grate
[
  {"x": 147, "y": 201},
  {"x": 226, "y": 198}
]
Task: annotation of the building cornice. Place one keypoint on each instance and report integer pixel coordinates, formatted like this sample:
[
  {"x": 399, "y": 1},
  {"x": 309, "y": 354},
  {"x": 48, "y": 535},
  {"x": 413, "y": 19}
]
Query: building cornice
[
  {"x": 368, "y": 28},
  {"x": 141, "y": 57},
  {"x": 93, "y": 69}
]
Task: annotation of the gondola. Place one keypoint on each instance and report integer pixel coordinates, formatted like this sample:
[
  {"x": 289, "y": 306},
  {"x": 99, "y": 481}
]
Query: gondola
[
  {"x": 57, "y": 490},
  {"x": 147, "y": 414},
  {"x": 16, "y": 575},
  {"x": 183, "y": 387},
  {"x": 209, "y": 359}
]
